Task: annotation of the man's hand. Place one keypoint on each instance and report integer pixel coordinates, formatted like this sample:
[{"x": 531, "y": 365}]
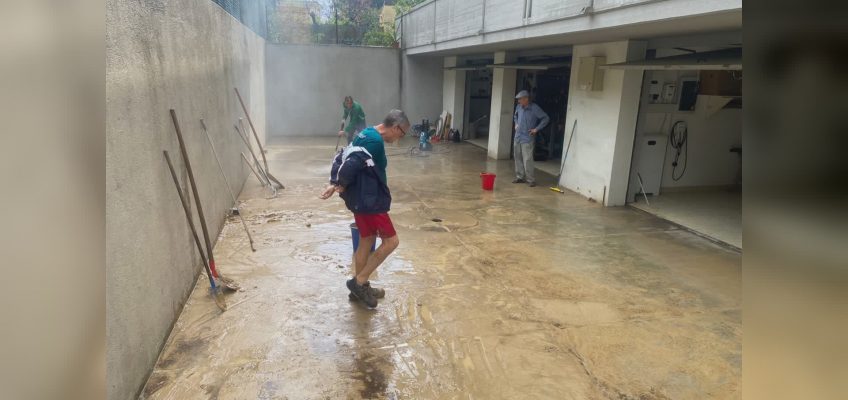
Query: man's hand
[
  {"x": 328, "y": 191},
  {"x": 533, "y": 132},
  {"x": 342, "y": 133}
]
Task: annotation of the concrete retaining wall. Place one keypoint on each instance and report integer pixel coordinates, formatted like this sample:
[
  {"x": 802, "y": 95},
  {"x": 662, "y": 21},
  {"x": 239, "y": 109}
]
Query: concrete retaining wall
[
  {"x": 422, "y": 81},
  {"x": 306, "y": 86},
  {"x": 181, "y": 54}
]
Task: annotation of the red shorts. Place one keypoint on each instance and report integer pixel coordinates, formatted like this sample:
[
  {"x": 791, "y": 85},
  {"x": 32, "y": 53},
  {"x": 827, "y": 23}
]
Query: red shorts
[{"x": 375, "y": 224}]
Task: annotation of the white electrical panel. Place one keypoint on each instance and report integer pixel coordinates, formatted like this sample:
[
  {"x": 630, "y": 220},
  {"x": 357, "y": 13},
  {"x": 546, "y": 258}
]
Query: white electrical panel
[
  {"x": 668, "y": 92},
  {"x": 589, "y": 76},
  {"x": 654, "y": 90},
  {"x": 648, "y": 163}
]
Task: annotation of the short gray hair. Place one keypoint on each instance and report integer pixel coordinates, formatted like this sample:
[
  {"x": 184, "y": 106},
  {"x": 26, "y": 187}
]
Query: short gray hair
[{"x": 395, "y": 118}]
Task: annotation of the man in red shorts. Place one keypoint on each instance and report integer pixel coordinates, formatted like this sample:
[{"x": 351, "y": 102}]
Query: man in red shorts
[{"x": 366, "y": 194}]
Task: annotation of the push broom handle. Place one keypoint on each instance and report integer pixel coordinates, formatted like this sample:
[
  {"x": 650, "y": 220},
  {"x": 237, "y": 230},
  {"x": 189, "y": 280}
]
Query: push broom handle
[
  {"x": 256, "y": 160},
  {"x": 188, "y": 218},
  {"x": 227, "y": 182},
  {"x": 255, "y": 135},
  {"x": 194, "y": 191}
]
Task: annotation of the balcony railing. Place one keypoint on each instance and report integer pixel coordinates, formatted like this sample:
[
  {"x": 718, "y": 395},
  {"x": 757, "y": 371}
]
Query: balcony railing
[{"x": 438, "y": 21}]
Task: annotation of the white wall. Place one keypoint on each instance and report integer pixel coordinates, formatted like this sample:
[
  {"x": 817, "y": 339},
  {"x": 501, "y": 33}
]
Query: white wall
[
  {"x": 453, "y": 93},
  {"x": 710, "y": 161},
  {"x": 186, "y": 55},
  {"x": 599, "y": 159},
  {"x": 502, "y": 108},
  {"x": 306, "y": 86}
]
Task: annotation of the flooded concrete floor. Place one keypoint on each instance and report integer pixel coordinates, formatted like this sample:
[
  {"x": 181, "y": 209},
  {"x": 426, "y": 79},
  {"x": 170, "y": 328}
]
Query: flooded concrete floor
[{"x": 520, "y": 293}]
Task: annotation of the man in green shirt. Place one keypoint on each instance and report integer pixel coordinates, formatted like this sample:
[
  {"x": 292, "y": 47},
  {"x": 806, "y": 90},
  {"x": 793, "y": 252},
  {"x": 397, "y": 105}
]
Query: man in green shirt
[{"x": 356, "y": 123}]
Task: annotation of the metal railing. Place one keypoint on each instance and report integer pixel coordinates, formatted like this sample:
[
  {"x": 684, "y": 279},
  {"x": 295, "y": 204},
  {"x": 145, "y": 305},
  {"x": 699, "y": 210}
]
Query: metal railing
[{"x": 252, "y": 13}]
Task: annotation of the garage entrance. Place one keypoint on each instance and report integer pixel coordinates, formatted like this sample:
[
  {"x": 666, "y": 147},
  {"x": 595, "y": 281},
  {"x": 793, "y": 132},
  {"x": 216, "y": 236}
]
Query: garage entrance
[{"x": 687, "y": 154}]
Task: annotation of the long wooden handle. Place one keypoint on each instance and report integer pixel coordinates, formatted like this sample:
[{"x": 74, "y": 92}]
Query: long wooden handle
[
  {"x": 188, "y": 218},
  {"x": 195, "y": 193},
  {"x": 252, "y": 128}
]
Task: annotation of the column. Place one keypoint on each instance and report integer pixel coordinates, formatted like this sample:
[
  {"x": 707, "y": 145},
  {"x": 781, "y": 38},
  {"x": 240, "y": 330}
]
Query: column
[
  {"x": 453, "y": 93},
  {"x": 598, "y": 163},
  {"x": 503, "y": 105}
]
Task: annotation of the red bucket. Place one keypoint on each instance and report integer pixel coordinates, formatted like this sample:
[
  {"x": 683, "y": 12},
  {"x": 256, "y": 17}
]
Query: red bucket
[{"x": 488, "y": 180}]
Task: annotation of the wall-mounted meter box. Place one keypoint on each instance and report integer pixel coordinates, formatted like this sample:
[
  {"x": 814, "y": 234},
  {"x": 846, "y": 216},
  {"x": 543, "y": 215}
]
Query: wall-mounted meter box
[
  {"x": 669, "y": 90},
  {"x": 654, "y": 90},
  {"x": 589, "y": 76}
]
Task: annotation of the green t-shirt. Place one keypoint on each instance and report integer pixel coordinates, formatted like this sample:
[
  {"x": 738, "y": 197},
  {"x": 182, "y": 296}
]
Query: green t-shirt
[
  {"x": 357, "y": 117},
  {"x": 371, "y": 140}
]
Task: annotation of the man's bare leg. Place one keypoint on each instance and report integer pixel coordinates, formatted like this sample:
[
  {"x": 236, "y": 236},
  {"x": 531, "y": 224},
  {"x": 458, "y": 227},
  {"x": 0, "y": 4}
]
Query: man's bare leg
[
  {"x": 361, "y": 256},
  {"x": 376, "y": 258}
]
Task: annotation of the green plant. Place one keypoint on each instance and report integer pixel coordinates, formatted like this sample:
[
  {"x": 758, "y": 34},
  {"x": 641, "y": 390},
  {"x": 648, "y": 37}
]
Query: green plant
[
  {"x": 403, "y": 6},
  {"x": 379, "y": 37}
]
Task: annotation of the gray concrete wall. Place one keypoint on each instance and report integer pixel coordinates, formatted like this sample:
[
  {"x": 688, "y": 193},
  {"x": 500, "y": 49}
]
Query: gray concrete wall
[
  {"x": 187, "y": 55},
  {"x": 307, "y": 84},
  {"x": 422, "y": 80}
]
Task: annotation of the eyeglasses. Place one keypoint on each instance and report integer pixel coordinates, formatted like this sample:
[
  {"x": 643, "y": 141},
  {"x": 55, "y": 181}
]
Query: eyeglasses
[{"x": 403, "y": 132}]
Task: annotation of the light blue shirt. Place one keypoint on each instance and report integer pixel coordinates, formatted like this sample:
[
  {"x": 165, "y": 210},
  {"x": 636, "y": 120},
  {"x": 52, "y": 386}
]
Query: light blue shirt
[{"x": 526, "y": 119}]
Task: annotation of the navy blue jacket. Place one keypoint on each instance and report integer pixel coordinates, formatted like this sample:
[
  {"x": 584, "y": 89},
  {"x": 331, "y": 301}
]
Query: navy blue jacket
[{"x": 365, "y": 191}]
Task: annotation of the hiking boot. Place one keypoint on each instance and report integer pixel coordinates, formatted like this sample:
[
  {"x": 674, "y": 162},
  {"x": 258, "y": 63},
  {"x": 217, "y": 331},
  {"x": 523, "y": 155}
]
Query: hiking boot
[
  {"x": 518, "y": 180},
  {"x": 532, "y": 184},
  {"x": 378, "y": 293},
  {"x": 362, "y": 292}
]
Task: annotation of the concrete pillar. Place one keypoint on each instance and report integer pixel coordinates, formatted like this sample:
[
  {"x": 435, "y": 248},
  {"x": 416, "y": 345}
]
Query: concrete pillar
[
  {"x": 628, "y": 114},
  {"x": 453, "y": 93},
  {"x": 503, "y": 105},
  {"x": 598, "y": 163}
]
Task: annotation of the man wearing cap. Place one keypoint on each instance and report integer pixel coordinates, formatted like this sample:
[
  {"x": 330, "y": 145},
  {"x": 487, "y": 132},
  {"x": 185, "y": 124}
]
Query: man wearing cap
[
  {"x": 529, "y": 120},
  {"x": 356, "y": 123}
]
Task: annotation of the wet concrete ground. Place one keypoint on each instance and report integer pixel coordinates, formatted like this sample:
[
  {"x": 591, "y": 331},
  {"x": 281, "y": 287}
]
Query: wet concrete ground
[{"x": 520, "y": 293}]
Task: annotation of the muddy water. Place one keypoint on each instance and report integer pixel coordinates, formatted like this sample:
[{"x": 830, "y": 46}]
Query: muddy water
[{"x": 516, "y": 293}]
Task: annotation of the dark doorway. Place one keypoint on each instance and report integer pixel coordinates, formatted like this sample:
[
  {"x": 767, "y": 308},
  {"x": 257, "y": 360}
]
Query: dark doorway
[{"x": 549, "y": 89}]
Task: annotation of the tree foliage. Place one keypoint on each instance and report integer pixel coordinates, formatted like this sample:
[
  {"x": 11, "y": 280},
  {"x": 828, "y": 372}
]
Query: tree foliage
[
  {"x": 350, "y": 22},
  {"x": 403, "y": 6}
]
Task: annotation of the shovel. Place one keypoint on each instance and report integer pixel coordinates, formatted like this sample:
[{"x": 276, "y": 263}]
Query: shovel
[
  {"x": 215, "y": 291},
  {"x": 228, "y": 283}
]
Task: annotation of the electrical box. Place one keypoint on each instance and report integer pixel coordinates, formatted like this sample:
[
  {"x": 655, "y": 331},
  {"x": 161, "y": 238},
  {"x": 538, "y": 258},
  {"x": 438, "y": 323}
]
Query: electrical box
[
  {"x": 649, "y": 156},
  {"x": 654, "y": 90},
  {"x": 589, "y": 76},
  {"x": 669, "y": 90}
]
